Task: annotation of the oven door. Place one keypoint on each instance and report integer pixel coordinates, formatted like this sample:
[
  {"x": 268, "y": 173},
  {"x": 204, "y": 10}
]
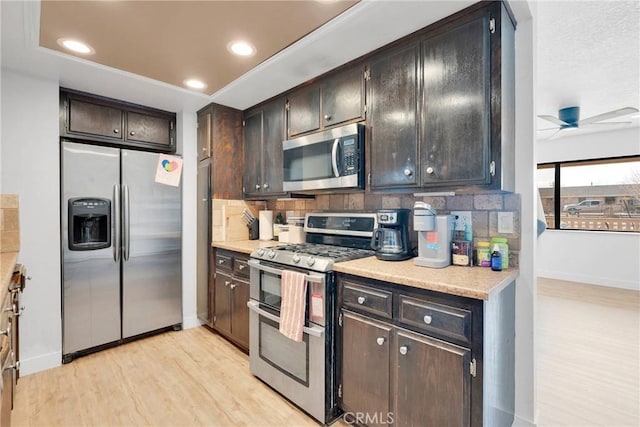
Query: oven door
[
  {"x": 294, "y": 369},
  {"x": 266, "y": 289}
]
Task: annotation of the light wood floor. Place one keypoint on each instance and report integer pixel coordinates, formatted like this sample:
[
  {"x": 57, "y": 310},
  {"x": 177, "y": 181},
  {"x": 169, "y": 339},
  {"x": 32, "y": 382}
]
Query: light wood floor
[
  {"x": 587, "y": 355},
  {"x": 186, "y": 378}
]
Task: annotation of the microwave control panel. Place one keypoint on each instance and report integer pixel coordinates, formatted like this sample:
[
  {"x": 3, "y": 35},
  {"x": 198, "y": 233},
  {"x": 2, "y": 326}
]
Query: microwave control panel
[{"x": 350, "y": 156}]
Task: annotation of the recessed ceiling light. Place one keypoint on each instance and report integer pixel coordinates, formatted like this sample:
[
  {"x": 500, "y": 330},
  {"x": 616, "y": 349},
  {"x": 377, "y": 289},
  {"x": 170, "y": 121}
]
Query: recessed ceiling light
[
  {"x": 241, "y": 48},
  {"x": 76, "y": 46},
  {"x": 195, "y": 84}
]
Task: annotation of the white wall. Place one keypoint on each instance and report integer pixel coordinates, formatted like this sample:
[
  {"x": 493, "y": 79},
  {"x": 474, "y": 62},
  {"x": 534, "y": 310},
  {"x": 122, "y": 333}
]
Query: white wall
[
  {"x": 30, "y": 167},
  {"x": 524, "y": 12},
  {"x": 599, "y": 258}
]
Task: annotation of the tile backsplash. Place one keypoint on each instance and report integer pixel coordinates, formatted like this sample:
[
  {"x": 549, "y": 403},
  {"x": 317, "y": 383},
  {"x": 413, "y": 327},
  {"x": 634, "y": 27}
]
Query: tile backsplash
[{"x": 484, "y": 209}]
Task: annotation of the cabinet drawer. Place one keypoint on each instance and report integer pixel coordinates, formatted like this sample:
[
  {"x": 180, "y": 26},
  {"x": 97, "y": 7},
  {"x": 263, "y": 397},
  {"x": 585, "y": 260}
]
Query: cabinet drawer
[
  {"x": 241, "y": 267},
  {"x": 368, "y": 299},
  {"x": 224, "y": 262},
  {"x": 433, "y": 317}
]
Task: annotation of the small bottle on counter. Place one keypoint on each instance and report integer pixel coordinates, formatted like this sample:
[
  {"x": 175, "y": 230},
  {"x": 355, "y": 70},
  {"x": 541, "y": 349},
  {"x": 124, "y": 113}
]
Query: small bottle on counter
[
  {"x": 504, "y": 249},
  {"x": 496, "y": 259}
]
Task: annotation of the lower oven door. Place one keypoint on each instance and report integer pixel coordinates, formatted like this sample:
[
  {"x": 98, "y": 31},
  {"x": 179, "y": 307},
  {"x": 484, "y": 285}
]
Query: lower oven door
[{"x": 295, "y": 369}]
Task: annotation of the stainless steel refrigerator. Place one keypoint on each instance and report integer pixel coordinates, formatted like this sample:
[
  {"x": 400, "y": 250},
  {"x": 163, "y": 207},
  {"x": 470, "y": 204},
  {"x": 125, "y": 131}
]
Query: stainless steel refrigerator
[{"x": 121, "y": 236}]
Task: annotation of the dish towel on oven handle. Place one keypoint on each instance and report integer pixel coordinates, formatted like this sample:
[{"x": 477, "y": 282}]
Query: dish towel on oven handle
[{"x": 292, "y": 304}]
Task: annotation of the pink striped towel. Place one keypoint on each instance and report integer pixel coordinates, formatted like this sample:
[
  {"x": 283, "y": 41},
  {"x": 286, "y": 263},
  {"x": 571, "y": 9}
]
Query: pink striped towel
[{"x": 292, "y": 305}]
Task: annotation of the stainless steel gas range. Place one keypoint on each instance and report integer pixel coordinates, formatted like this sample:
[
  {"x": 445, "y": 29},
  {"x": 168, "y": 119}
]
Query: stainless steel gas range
[{"x": 304, "y": 372}]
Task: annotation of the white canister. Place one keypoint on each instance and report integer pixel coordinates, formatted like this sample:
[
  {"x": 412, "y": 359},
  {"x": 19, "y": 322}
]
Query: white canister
[{"x": 266, "y": 225}]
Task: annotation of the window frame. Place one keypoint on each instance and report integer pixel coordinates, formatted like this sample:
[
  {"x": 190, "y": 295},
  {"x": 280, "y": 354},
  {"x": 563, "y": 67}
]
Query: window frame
[{"x": 557, "y": 185}]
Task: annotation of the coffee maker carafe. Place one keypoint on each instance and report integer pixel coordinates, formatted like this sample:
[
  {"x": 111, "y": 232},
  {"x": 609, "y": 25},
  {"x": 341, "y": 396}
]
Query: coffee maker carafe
[
  {"x": 391, "y": 239},
  {"x": 434, "y": 236}
]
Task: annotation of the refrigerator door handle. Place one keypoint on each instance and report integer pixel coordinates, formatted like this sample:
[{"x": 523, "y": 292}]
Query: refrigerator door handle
[
  {"x": 116, "y": 224},
  {"x": 126, "y": 222}
]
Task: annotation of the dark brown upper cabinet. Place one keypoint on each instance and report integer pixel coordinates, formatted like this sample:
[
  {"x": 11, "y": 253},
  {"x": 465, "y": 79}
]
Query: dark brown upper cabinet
[
  {"x": 97, "y": 119},
  {"x": 335, "y": 99},
  {"x": 220, "y": 138},
  {"x": 393, "y": 118},
  {"x": 456, "y": 128},
  {"x": 466, "y": 86},
  {"x": 263, "y": 136}
]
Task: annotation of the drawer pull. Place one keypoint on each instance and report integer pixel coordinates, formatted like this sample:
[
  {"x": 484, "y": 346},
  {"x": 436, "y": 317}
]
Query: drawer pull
[
  {"x": 220, "y": 262},
  {"x": 427, "y": 319},
  {"x": 380, "y": 340},
  {"x": 227, "y": 283},
  {"x": 233, "y": 286},
  {"x": 116, "y": 131},
  {"x": 361, "y": 300},
  {"x": 404, "y": 349},
  {"x": 241, "y": 267}
]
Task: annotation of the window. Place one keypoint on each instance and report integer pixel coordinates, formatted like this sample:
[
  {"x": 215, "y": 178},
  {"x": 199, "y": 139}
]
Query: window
[{"x": 591, "y": 195}]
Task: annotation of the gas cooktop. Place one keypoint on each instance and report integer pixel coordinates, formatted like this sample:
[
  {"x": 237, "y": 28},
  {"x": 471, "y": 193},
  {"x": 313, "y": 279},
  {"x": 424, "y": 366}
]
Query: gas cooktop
[{"x": 331, "y": 238}]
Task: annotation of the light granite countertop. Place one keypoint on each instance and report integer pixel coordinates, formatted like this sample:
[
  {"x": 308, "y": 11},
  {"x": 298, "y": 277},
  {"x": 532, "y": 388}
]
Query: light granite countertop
[
  {"x": 471, "y": 282},
  {"x": 245, "y": 246},
  {"x": 7, "y": 264}
]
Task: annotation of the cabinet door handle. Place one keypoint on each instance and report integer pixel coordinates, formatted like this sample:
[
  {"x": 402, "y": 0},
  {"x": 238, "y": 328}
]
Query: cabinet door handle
[
  {"x": 132, "y": 133},
  {"x": 404, "y": 349},
  {"x": 327, "y": 117},
  {"x": 233, "y": 286},
  {"x": 430, "y": 170},
  {"x": 266, "y": 186},
  {"x": 380, "y": 340},
  {"x": 361, "y": 300},
  {"x": 257, "y": 186},
  {"x": 427, "y": 319},
  {"x": 408, "y": 172},
  {"x": 242, "y": 267},
  {"x": 116, "y": 131},
  {"x": 220, "y": 262},
  {"x": 227, "y": 283}
]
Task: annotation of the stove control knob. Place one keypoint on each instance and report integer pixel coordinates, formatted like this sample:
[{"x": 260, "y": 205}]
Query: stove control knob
[
  {"x": 260, "y": 252},
  {"x": 310, "y": 261},
  {"x": 271, "y": 254},
  {"x": 296, "y": 258}
]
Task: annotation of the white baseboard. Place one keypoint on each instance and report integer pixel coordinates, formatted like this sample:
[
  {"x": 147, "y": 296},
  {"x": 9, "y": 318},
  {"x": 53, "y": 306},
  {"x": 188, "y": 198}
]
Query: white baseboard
[
  {"x": 591, "y": 280},
  {"x": 40, "y": 363},
  {"x": 191, "y": 322},
  {"x": 520, "y": 422}
]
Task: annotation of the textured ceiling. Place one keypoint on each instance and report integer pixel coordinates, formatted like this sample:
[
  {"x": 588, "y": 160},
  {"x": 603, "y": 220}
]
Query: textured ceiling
[
  {"x": 588, "y": 56},
  {"x": 171, "y": 41}
]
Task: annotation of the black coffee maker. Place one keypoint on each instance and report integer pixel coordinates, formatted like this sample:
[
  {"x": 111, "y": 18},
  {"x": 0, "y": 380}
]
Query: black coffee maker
[{"x": 391, "y": 239}]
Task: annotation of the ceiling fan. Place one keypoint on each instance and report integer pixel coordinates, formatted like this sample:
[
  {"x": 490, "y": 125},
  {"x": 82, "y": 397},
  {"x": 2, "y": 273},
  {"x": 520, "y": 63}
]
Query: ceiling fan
[{"x": 569, "y": 119}]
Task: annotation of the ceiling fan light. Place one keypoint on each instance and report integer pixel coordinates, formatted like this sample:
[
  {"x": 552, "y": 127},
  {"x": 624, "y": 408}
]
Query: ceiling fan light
[
  {"x": 241, "y": 48},
  {"x": 76, "y": 46}
]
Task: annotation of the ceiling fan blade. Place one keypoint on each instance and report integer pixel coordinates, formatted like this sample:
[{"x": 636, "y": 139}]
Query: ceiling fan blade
[
  {"x": 556, "y": 134},
  {"x": 607, "y": 123},
  {"x": 546, "y": 129},
  {"x": 553, "y": 119},
  {"x": 610, "y": 115}
]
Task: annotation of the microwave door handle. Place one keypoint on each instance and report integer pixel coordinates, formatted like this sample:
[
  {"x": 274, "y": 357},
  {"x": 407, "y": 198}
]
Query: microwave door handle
[
  {"x": 334, "y": 157},
  {"x": 315, "y": 331}
]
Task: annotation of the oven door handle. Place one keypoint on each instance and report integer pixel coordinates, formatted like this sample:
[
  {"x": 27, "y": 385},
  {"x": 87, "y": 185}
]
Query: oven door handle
[
  {"x": 313, "y": 278},
  {"x": 315, "y": 331}
]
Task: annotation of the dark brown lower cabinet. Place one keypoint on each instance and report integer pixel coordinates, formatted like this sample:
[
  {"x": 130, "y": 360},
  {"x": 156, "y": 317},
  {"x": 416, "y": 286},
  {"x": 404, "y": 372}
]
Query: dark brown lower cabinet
[
  {"x": 432, "y": 381},
  {"x": 229, "y": 296},
  {"x": 394, "y": 376},
  {"x": 5, "y": 399},
  {"x": 365, "y": 379}
]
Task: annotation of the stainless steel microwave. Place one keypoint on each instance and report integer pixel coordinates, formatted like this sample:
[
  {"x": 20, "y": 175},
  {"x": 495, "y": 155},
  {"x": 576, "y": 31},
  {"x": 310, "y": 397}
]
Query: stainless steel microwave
[{"x": 332, "y": 159}]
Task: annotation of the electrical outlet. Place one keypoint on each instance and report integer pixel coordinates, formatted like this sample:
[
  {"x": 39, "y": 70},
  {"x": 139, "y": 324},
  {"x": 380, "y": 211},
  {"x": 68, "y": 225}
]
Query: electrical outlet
[
  {"x": 462, "y": 225},
  {"x": 505, "y": 222}
]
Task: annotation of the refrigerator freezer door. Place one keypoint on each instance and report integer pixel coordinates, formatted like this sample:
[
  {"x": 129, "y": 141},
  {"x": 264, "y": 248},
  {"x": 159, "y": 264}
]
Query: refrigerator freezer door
[
  {"x": 152, "y": 247},
  {"x": 91, "y": 278}
]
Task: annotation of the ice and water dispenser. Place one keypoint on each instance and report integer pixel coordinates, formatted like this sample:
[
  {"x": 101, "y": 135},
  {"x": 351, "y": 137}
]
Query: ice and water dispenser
[{"x": 89, "y": 224}]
